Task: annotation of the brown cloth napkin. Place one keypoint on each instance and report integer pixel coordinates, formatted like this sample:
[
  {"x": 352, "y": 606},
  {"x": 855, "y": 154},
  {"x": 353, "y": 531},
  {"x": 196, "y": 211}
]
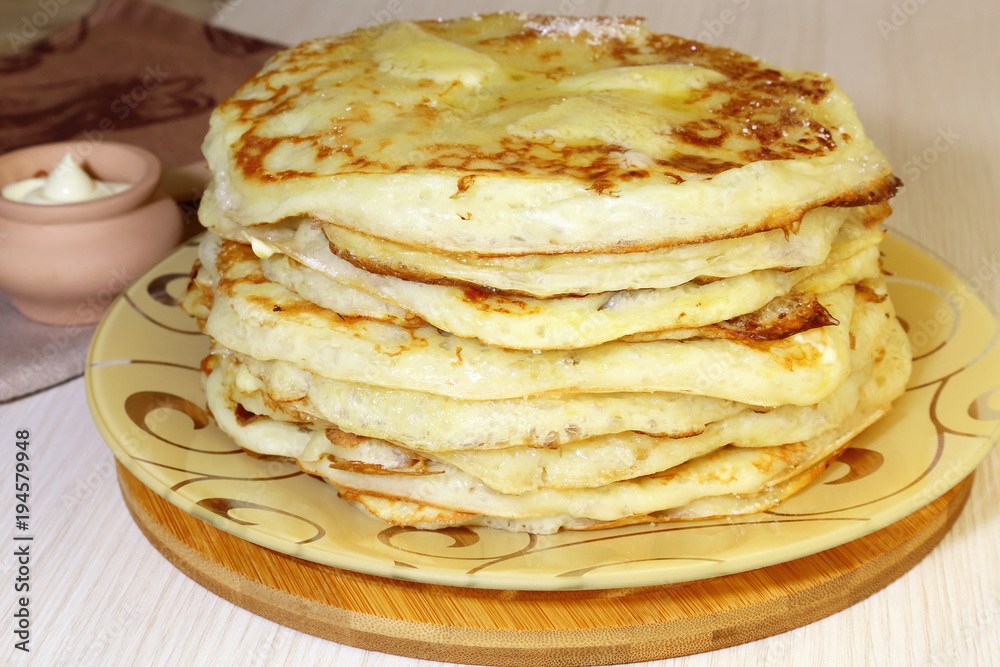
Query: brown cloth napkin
[
  {"x": 128, "y": 72},
  {"x": 35, "y": 356}
]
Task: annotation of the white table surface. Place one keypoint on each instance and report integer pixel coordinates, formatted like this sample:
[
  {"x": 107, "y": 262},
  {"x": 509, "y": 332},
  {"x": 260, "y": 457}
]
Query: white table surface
[{"x": 101, "y": 595}]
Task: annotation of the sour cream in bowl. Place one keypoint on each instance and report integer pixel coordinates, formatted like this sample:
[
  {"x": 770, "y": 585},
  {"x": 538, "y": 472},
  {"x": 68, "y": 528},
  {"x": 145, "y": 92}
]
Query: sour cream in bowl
[
  {"x": 67, "y": 183},
  {"x": 78, "y": 221}
]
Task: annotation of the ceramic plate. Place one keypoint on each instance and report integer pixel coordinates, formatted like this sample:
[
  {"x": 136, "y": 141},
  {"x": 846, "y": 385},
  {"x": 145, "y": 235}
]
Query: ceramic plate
[{"x": 144, "y": 389}]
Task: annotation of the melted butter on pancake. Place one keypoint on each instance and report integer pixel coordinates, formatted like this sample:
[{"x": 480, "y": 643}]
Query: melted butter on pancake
[
  {"x": 663, "y": 96},
  {"x": 407, "y": 51},
  {"x": 496, "y": 135}
]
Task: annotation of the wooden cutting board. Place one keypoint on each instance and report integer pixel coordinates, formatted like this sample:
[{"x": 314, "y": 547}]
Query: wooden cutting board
[{"x": 494, "y": 627}]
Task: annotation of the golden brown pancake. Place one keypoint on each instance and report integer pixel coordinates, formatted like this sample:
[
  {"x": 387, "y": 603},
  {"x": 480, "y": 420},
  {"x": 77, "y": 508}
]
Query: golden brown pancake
[
  {"x": 515, "y": 134},
  {"x": 542, "y": 273}
]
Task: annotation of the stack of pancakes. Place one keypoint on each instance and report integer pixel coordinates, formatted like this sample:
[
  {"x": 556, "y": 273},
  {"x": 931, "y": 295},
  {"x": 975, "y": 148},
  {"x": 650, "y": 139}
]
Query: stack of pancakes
[{"x": 536, "y": 272}]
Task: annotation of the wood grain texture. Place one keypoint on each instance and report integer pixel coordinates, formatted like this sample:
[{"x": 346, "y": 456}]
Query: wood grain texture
[
  {"x": 937, "y": 71},
  {"x": 492, "y": 627}
]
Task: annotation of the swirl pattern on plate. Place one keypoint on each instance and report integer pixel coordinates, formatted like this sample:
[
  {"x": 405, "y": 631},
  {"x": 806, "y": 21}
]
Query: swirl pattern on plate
[{"x": 144, "y": 388}]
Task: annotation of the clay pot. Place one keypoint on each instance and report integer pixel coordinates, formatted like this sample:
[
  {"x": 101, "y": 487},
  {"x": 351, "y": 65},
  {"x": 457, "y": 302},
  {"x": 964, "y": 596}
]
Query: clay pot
[{"x": 64, "y": 263}]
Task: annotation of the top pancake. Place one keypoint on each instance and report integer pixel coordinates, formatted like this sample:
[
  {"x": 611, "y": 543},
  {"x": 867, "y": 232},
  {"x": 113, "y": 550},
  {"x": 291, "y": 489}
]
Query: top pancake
[{"x": 510, "y": 135}]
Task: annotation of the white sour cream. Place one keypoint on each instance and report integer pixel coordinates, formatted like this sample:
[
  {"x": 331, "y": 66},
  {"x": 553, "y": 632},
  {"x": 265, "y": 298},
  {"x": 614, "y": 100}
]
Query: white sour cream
[{"x": 67, "y": 183}]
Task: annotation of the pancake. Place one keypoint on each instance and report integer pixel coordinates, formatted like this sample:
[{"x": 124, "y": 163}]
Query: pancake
[
  {"x": 545, "y": 276},
  {"x": 512, "y": 134},
  {"x": 431, "y": 423},
  {"x": 553, "y": 275},
  {"x": 363, "y": 467},
  {"x": 427, "y": 517},
  {"x": 590, "y": 462},
  {"x": 261, "y": 319},
  {"x": 543, "y": 273},
  {"x": 517, "y": 322}
]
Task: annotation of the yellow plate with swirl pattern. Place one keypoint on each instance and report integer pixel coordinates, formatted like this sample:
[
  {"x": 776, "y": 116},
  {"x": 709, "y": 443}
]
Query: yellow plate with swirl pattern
[{"x": 144, "y": 388}]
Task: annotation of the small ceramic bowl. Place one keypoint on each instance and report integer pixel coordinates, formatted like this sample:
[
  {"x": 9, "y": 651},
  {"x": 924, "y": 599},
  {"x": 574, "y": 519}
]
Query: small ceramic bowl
[{"x": 64, "y": 263}]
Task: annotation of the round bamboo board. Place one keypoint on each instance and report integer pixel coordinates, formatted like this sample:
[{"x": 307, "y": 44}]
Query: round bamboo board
[{"x": 497, "y": 627}]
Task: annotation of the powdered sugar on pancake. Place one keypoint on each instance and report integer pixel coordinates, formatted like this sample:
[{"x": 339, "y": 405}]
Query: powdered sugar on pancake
[{"x": 599, "y": 29}]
